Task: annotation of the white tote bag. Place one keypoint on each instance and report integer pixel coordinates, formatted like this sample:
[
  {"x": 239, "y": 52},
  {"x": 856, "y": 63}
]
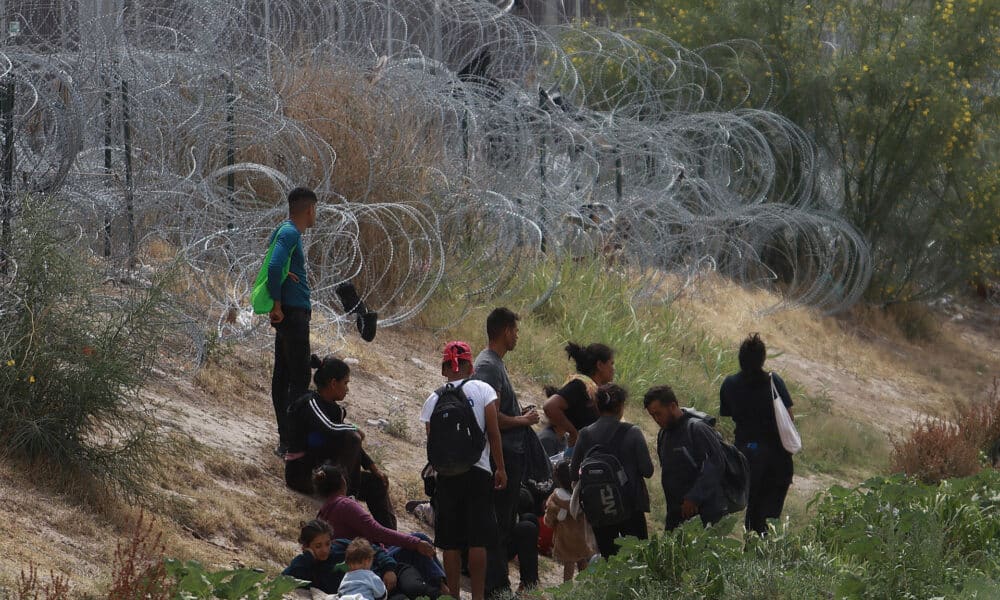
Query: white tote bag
[{"x": 786, "y": 428}]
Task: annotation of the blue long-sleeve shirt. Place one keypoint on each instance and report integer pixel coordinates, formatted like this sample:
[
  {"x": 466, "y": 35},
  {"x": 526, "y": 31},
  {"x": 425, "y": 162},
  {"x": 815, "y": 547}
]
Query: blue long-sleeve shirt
[{"x": 288, "y": 241}]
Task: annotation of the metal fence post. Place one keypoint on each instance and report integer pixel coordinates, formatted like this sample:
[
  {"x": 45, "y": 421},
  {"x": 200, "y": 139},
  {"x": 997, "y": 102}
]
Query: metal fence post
[
  {"x": 7, "y": 119},
  {"x": 129, "y": 207}
]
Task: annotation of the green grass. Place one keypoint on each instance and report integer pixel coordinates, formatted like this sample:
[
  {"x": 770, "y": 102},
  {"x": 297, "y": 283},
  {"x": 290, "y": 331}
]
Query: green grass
[{"x": 886, "y": 539}]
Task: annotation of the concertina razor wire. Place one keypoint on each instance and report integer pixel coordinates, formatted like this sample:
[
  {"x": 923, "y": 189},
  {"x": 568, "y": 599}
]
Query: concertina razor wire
[{"x": 449, "y": 142}]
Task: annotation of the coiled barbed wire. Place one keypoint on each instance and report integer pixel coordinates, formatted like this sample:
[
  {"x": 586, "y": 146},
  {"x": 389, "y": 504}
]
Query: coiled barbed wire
[{"x": 448, "y": 141}]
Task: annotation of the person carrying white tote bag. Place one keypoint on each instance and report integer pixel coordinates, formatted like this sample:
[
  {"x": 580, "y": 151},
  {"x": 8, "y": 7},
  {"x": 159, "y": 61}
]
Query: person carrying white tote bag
[{"x": 790, "y": 438}]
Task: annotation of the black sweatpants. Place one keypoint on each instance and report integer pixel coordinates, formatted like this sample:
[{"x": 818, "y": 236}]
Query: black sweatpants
[
  {"x": 771, "y": 472},
  {"x": 370, "y": 488},
  {"x": 635, "y": 525},
  {"x": 524, "y": 545},
  {"x": 342, "y": 449},
  {"x": 291, "y": 374}
]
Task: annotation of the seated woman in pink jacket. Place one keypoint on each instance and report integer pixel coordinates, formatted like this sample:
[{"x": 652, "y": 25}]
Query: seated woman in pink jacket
[{"x": 349, "y": 519}]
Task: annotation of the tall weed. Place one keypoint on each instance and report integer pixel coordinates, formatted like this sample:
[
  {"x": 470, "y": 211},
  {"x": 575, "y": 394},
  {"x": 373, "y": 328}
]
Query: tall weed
[
  {"x": 937, "y": 449},
  {"x": 74, "y": 352}
]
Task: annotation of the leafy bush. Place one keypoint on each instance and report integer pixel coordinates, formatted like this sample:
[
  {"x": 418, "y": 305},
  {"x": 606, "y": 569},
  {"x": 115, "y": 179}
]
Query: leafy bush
[
  {"x": 908, "y": 540},
  {"x": 897, "y": 96},
  {"x": 73, "y": 354},
  {"x": 888, "y": 538},
  {"x": 195, "y": 583}
]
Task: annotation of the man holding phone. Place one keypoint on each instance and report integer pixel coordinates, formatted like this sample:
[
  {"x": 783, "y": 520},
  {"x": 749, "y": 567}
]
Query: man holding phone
[{"x": 515, "y": 425}]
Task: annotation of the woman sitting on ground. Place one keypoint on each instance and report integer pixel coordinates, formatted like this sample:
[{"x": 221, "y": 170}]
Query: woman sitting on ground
[
  {"x": 350, "y": 520},
  {"x": 574, "y": 406},
  {"x": 319, "y": 435}
]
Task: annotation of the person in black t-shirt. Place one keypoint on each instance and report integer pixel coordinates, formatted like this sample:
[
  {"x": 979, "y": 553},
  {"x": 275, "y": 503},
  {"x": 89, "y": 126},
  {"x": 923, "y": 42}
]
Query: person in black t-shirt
[
  {"x": 574, "y": 406},
  {"x": 746, "y": 397}
]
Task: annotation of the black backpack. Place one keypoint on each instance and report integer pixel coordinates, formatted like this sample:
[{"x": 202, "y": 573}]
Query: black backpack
[
  {"x": 455, "y": 440},
  {"x": 604, "y": 491},
  {"x": 736, "y": 481}
]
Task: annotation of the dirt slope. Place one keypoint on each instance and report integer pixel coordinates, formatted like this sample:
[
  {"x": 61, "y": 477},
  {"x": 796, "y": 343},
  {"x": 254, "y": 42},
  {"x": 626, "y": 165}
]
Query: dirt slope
[{"x": 222, "y": 499}]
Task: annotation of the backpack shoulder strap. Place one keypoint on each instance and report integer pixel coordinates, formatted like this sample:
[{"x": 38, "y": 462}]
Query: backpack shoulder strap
[
  {"x": 688, "y": 427},
  {"x": 616, "y": 440},
  {"x": 450, "y": 386}
]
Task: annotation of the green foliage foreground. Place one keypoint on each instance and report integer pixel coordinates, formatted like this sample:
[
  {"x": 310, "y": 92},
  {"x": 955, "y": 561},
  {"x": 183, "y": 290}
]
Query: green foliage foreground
[{"x": 888, "y": 538}]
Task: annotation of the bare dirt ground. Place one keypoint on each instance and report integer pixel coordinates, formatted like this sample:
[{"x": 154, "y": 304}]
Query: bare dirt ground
[{"x": 221, "y": 498}]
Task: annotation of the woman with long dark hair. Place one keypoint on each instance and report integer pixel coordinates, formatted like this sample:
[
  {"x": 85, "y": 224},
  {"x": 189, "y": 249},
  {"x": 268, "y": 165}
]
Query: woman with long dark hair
[
  {"x": 574, "y": 406},
  {"x": 747, "y": 398}
]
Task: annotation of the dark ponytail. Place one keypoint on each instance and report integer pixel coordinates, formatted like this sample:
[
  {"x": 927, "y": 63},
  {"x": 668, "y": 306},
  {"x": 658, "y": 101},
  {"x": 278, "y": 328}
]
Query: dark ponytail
[
  {"x": 328, "y": 369},
  {"x": 586, "y": 359},
  {"x": 753, "y": 353},
  {"x": 610, "y": 398},
  {"x": 328, "y": 479}
]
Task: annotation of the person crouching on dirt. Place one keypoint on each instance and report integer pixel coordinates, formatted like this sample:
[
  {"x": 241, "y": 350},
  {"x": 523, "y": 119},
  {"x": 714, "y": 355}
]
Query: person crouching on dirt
[{"x": 318, "y": 435}]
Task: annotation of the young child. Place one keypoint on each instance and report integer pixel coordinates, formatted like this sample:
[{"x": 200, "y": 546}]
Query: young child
[
  {"x": 360, "y": 581},
  {"x": 315, "y": 564},
  {"x": 572, "y": 539}
]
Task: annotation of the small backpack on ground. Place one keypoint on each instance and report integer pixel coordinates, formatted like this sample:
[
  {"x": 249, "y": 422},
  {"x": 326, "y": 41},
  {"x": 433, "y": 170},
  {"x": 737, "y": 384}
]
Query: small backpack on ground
[
  {"x": 604, "y": 492},
  {"x": 736, "y": 480},
  {"x": 455, "y": 440}
]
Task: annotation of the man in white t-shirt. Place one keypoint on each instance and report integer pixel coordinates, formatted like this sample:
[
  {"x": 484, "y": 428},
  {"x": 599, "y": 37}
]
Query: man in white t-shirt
[{"x": 463, "y": 504}]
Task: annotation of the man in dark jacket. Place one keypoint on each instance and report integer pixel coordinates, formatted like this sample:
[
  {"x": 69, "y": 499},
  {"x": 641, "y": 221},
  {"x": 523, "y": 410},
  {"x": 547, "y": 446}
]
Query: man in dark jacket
[{"x": 692, "y": 461}]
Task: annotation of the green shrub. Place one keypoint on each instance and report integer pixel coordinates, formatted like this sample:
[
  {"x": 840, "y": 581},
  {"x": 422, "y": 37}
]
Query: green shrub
[
  {"x": 909, "y": 540},
  {"x": 193, "y": 582},
  {"x": 886, "y": 539},
  {"x": 73, "y": 354}
]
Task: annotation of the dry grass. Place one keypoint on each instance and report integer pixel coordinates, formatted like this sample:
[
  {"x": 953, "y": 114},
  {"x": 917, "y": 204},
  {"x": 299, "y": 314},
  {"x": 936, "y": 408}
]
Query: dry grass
[
  {"x": 866, "y": 356},
  {"x": 938, "y": 449},
  {"x": 383, "y": 155}
]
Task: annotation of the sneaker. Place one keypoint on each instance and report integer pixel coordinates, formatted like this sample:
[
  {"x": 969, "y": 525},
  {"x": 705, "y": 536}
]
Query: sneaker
[
  {"x": 425, "y": 513},
  {"x": 411, "y": 505},
  {"x": 367, "y": 324}
]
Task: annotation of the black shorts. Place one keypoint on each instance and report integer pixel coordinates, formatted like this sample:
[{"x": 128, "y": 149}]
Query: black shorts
[{"x": 463, "y": 511}]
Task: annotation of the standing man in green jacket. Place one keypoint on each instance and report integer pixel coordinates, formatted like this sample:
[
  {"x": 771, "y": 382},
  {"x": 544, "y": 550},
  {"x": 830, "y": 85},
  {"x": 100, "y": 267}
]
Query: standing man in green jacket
[{"x": 292, "y": 309}]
